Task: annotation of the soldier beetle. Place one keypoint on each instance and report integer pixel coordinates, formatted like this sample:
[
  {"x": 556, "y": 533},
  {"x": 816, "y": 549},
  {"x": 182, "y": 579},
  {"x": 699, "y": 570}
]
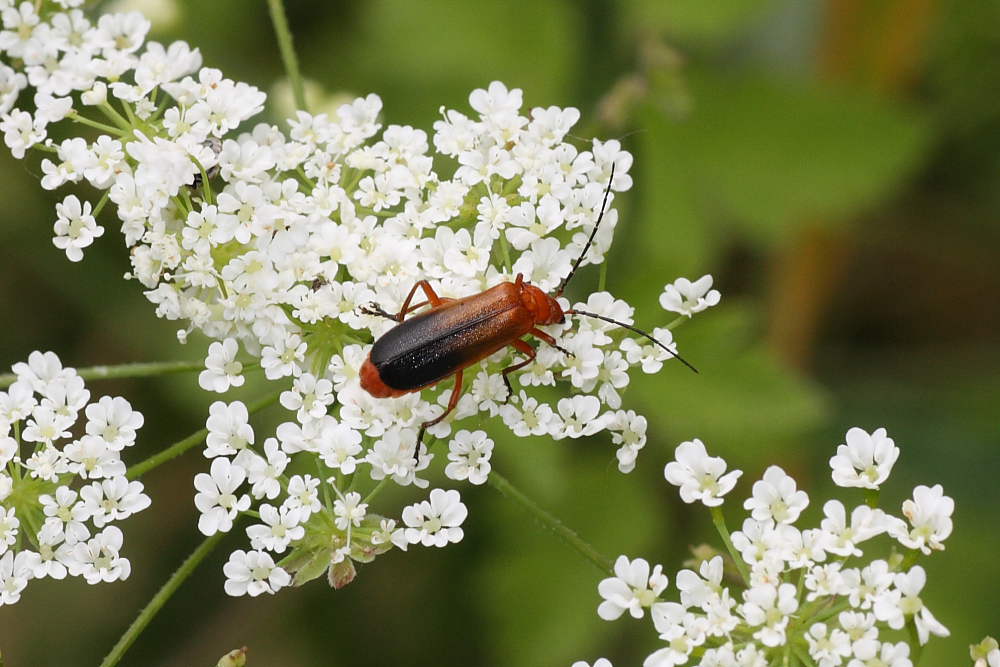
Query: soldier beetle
[{"x": 453, "y": 334}]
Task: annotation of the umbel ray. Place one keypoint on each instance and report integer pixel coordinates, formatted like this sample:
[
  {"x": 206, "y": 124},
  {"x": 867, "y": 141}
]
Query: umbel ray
[{"x": 453, "y": 334}]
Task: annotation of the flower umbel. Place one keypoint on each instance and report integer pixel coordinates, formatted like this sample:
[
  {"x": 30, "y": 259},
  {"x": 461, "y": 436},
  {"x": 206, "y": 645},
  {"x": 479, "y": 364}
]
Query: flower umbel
[{"x": 62, "y": 498}]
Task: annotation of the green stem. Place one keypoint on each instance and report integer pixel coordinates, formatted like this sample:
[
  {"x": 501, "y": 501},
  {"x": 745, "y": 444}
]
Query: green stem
[
  {"x": 100, "y": 126},
  {"x": 124, "y": 371},
  {"x": 803, "y": 655},
  {"x": 720, "y": 525},
  {"x": 196, "y": 438},
  {"x": 871, "y": 497},
  {"x": 677, "y": 320},
  {"x": 287, "y": 49},
  {"x": 916, "y": 648},
  {"x": 602, "y": 279},
  {"x": 160, "y": 599},
  {"x": 569, "y": 536}
]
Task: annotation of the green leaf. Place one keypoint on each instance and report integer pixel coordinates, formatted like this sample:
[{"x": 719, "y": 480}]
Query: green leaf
[
  {"x": 766, "y": 155},
  {"x": 742, "y": 402},
  {"x": 716, "y": 20},
  {"x": 312, "y": 567}
]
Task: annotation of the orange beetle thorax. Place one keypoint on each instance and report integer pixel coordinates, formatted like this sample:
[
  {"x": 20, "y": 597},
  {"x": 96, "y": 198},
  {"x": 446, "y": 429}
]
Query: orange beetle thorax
[{"x": 544, "y": 309}]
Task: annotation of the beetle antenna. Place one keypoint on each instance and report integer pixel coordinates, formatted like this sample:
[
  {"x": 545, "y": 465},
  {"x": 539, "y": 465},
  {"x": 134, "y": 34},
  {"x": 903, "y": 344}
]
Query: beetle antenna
[
  {"x": 676, "y": 356},
  {"x": 586, "y": 248}
]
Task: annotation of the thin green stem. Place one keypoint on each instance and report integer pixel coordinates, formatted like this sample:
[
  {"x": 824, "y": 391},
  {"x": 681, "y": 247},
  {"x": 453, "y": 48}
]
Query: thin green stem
[
  {"x": 505, "y": 251},
  {"x": 101, "y": 203},
  {"x": 720, "y": 525},
  {"x": 803, "y": 656},
  {"x": 677, "y": 320},
  {"x": 375, "y": 491},
  {"x": 916, "y": 648},
  {"x": 100, "y": 126},
  {"x": 287, "y": 49},
  {"x": 139, "y": 370},
  {"x": 181, "y": 446},
  {"x": 547, "y": 519},
  {"x": 160, "y": 599},
  {"x": 602, "y": 278}
]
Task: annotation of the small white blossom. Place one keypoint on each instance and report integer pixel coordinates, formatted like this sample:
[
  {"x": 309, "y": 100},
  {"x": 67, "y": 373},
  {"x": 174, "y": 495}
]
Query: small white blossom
[
  {"x": 700, "y": 477},
  {"x": 253, "y": 573},
  {"x": 687, "y": 298},
  {"x": 222, "y": 371},
  {"x": 632, "y": 589},
  {"x": 469, "y": 455},
  {"x": 776, "y": 497},
  {"x": 866, "y": 460},
  {"x": 929, "y": 513},
  {"x": 437, "y": 521}
]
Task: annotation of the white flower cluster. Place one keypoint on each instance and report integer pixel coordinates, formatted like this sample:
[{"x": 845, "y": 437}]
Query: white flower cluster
[
  {"x": 317, "y": 524},
  {"x": 271, "y": 243},
  {"x": 61, "y": 495},
  {"x": 799, "y": 592}
]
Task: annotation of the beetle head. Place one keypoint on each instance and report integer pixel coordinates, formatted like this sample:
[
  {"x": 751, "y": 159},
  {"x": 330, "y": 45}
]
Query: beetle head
[{"x": 543, "y": 307}]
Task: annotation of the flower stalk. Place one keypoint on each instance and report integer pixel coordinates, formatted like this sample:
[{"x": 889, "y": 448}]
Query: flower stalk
[
  {"x": 162, "y": 596},
  {"x": 287, "y": 48},
  {"x": 550, "y": 521}
]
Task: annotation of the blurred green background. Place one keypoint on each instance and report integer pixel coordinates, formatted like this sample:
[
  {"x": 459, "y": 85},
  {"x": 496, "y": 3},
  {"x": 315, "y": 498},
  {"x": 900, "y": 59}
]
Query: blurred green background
[{"x": 835, "y": 164}]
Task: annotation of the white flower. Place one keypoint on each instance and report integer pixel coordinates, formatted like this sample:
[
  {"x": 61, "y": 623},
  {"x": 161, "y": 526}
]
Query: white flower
[
  {"x": 628, "y": 430},
  {"x": 828, "y": 648},
  {"x": 98, "y": 560},
  {"x": 252, "y": 573},
  {"x": 113, "y": 500},
  {"x": 579, "y": 417},
  {"x": 217, "y": 499},
  {"x": 870, "y": 652},
  {"x": 263, "y": 472},
  {"x": 279, "y": 528},
  {"x": 349, "y": 511},
  {"x": 769, "y": 606},
  {"x": 8, "y": 528},
  {"x": 687, "y": 298},
  {"x": 303, "y": 493},
  {"x": 632, "y": 589},
  {"x": 600, "y": 662},
  {"x": 75, "y": 227},
  {"x": 866, "y": 460},
  {"x": 229, "y": 430},
  {"x": 903, "y": 601},
  {"x": 309, "y": 396},
  {"x": 698, "y": 590},
  {"x": 14, "y": 575},
  {"x": 435, "y": 522},
  {"x": 700, "y": 476},
  {"x": 469, "y": 455},
  {"x": 775, "y": 497},
  {"x": 929, "y": 512},
  {"x": 114, "y": 421},
  {"x": 839, "y": 537},
  {"x": 222, "y": 371}
]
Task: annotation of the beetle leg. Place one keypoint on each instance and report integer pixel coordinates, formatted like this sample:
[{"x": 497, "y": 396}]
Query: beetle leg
[
  {"x": 524, "y": 348},
  {"x": 432, "y": 298},
  {"x": 550, "y": 340},
  {"x": 452, "y": 402}
]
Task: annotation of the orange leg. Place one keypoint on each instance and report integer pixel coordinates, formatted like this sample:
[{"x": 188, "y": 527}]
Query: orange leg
[
  {"x": 432, "y": 298},
  {"x": 524, "y": 348},
  {"x": 452, "y": 402},
  {"x": 550, "y": 340}
]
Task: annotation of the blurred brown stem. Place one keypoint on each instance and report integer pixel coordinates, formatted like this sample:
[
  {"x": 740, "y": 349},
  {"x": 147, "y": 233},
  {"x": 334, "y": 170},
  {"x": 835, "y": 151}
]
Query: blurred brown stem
[{"x": 806, "y": 274}]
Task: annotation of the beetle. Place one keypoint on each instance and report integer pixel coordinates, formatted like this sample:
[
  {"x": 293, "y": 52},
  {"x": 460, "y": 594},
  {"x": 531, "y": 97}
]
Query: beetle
[{"x": 453, "y": 334}]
